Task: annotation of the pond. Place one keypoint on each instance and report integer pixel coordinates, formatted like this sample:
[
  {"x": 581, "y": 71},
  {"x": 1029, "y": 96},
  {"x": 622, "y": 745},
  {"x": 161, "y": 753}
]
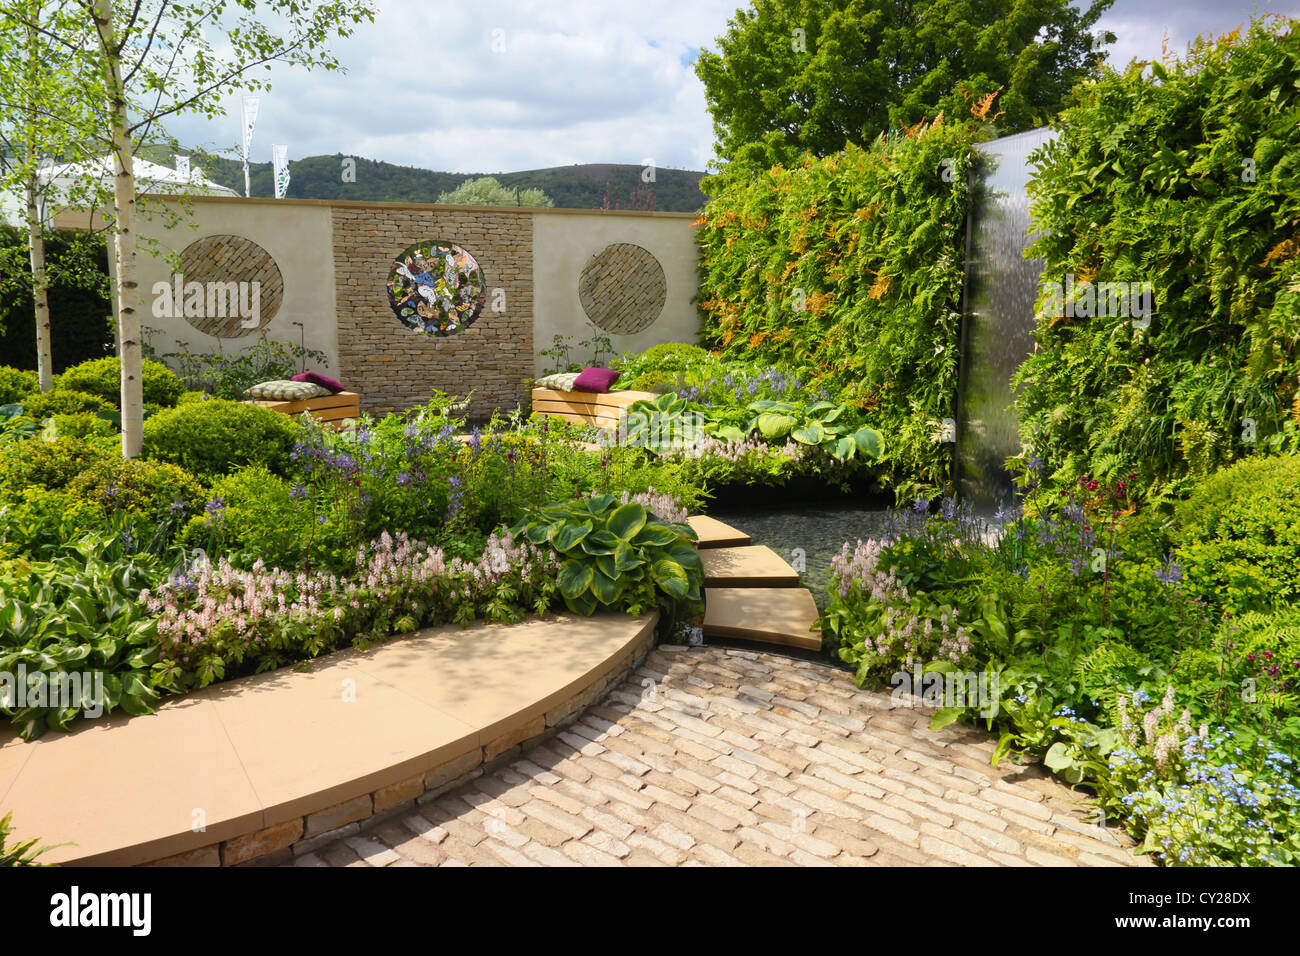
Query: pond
[{"x": 811, "y": 532}]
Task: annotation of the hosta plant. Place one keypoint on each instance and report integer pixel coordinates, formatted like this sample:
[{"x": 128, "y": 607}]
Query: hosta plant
[
  {"x": 616, "y": 556},
  {"x": 78, "y": 614},
  {"x": 669, "y": 421}
]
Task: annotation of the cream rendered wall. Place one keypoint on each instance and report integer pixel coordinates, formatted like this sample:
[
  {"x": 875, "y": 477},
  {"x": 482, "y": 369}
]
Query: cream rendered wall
[
  {"x": 563, "y": 243},
  {"x": 299, "y": 237}
]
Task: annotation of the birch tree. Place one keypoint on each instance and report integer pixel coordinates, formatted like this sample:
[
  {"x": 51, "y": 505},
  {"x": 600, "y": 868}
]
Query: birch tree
[
  {"x": 155, "y": 60},
  {"x": 29, "y": 138}
]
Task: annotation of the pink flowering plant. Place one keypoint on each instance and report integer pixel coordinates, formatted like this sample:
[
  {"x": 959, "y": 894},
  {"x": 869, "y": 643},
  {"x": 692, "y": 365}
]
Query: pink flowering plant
[{"x": 215, "y": 620}]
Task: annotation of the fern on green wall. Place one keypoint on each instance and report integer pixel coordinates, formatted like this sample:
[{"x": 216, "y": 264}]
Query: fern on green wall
[
  {"x": 1186, "y": 175},
  {"x": 850, "y": 267}
]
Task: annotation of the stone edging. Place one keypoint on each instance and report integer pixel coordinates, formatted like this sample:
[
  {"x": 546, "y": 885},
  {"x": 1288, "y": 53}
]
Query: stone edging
[{"x": 279, "y": 844}]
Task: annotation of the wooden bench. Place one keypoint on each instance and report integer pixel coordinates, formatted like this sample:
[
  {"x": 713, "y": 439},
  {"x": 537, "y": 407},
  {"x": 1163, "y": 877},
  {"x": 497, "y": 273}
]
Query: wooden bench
[
  {"x": 602, "y": 409},
  {"x": 339, "y": 411}
]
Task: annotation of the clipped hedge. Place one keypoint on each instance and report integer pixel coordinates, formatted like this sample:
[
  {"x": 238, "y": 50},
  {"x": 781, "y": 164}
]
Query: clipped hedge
[
  {"x": 152, "y": 489},
  {"x": 217, "y": 436},
  {"x": 1187, "y": 176},
  {"x": 1238, "y": 535},
  {"x": 103, "y": 377},
  {"x": 46, "y": 464},
  {"x": 851, "y": 267},
  {"x": 62, "y": 401},
  {"x": 16, "y": 383}
]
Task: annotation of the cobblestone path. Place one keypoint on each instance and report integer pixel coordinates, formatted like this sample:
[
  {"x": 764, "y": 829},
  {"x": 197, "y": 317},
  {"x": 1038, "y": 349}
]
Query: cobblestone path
[{"x": 713, "y": 756}]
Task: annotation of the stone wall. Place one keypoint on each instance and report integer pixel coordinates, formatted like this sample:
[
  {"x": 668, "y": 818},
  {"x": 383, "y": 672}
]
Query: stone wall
[
  {"x": 335, "y": 257},
  {"x": 393, "y": 367}
]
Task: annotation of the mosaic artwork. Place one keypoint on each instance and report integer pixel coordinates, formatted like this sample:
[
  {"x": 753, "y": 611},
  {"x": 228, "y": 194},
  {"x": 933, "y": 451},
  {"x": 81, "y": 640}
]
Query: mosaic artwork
[{"x": 437, "y": 288}]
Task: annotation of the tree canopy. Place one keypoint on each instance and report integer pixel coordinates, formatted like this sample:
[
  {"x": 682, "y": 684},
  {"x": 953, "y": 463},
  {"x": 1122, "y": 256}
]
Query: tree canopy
[
  {"x": 796, "y": 75},
  {"x": 487, "y": 191}
]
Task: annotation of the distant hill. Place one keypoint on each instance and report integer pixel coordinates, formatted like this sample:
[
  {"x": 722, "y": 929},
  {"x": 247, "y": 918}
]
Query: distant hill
[{"x": 581, "y": 186}]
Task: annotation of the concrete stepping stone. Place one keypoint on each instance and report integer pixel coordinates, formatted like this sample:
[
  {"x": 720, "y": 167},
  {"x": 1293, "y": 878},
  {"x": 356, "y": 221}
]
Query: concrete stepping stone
[
  {"x": 782, "y": 616},
  {"x": 751, "y": 566},
  {"x": 714, "y": 534}
]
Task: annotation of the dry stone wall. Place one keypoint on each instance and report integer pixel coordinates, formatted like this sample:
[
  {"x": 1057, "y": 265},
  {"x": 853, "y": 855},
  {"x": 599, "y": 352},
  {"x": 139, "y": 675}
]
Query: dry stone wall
[{"x": 393, "y": 367}]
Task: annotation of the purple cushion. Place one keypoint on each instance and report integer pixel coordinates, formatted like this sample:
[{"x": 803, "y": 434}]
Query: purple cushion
[
  {"x": 316, "y": 378},
  {"x": 594, "y": 380}
]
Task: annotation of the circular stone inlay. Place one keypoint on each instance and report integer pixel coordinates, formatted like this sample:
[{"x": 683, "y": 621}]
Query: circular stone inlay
[
  {"x": 226, "y": 267},
  {"x": 436, "y": 287},
  {"x": 623, "y": 288}
]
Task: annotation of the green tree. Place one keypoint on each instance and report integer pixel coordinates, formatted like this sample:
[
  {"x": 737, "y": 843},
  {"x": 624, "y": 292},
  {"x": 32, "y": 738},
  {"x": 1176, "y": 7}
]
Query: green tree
[
  {"x": 487, "y": 191},
  {"x": 143, "y": 62},
  {"x": 36, "y": 86},
  {"x": 796, "y": 75}
]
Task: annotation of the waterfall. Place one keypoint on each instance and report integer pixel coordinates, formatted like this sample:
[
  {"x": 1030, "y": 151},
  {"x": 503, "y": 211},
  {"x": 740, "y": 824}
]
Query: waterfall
[{"x": 997, "y": 329}]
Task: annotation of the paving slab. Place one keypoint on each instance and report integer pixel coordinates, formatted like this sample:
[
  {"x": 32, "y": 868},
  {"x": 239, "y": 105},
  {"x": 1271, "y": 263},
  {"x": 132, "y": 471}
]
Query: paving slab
[
  {"x": 716, "y": 534},
  {"x": 782, "y": 616},
  {"x": 126, "y": 790},
  {"x": 255, "y": 752},
  {"x": 749, "y": 566}
]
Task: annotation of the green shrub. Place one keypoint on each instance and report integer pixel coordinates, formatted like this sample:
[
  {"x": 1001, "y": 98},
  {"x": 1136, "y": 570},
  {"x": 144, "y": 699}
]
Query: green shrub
[
  {"x": 658, "y": 382},
  {"x": 36, "y": 522},
  {"x": 663, "y": 359},
  {"x": 46, "y": 464},
  {"x": 1159, "y": 175},
  {"x": 84, "y": 425},
  {"x": 217, "y": 437},
  {"x": 15, "y": 383},
  {"x": 43, "y": 405},
  {"x": 103, "y": 377},
  {"x": 149, "y": 489},
  {"x": 1238, "y": 535},
  {"x": 254, "y": 516}
]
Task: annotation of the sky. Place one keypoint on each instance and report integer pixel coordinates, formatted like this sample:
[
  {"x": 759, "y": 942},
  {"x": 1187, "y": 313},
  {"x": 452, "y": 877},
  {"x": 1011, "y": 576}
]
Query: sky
[{"x": 506, "y": 85}]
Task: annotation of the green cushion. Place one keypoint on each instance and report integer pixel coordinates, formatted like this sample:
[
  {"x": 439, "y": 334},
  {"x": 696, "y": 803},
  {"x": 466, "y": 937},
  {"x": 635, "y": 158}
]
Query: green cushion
[
  {"x": 285, "y": 391},
  {"x": 560, "y": 381}
]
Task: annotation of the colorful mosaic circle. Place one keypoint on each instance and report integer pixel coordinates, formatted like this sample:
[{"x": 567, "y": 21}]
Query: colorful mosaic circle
[{"x": 437, "y": 288}]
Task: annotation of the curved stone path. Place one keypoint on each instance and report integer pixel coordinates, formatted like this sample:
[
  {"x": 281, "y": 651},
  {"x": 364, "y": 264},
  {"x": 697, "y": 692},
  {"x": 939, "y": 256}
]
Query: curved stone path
[{"x": 714, "y": 756}]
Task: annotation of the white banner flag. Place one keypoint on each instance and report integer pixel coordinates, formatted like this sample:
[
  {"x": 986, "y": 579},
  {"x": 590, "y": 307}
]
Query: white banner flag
[
  {"x": 280, "y": 161},
  {"x": 183, "y": 167},
  {"x": 250, "y": 120}
]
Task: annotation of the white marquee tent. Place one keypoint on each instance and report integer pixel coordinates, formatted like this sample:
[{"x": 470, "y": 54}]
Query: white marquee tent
[{"x": 150, "y": 178}]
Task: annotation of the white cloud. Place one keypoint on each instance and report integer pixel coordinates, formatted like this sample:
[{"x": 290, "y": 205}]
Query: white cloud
[
  {"x": 578, "y": 81},
  {"x": 575, "y": 82}
]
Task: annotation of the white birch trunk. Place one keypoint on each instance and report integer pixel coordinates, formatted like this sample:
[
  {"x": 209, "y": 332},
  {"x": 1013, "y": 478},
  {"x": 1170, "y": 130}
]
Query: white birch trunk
[
  {"x": 128, "y": 315},
  {"x": 41, "y": 301},
  {"x": 35, "y": 227}
]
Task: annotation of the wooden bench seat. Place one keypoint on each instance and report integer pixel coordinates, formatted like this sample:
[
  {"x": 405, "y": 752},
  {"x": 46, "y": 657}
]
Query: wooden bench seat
[
  {"x": 339, "y": 410},
  {"x": 602, "y": 409}
]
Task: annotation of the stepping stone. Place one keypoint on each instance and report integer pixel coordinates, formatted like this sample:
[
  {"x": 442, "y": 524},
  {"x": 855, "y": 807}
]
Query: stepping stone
[
  {"x": 714, "y": 534},
  {"x": 782, "y": 616},
  {"x": 752, "y": 566}
]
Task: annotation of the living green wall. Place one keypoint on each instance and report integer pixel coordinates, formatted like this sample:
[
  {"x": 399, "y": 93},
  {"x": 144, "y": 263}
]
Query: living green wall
[
  {"x": 850, "y": 267},
  {"x": 1185, "y": 175}
]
